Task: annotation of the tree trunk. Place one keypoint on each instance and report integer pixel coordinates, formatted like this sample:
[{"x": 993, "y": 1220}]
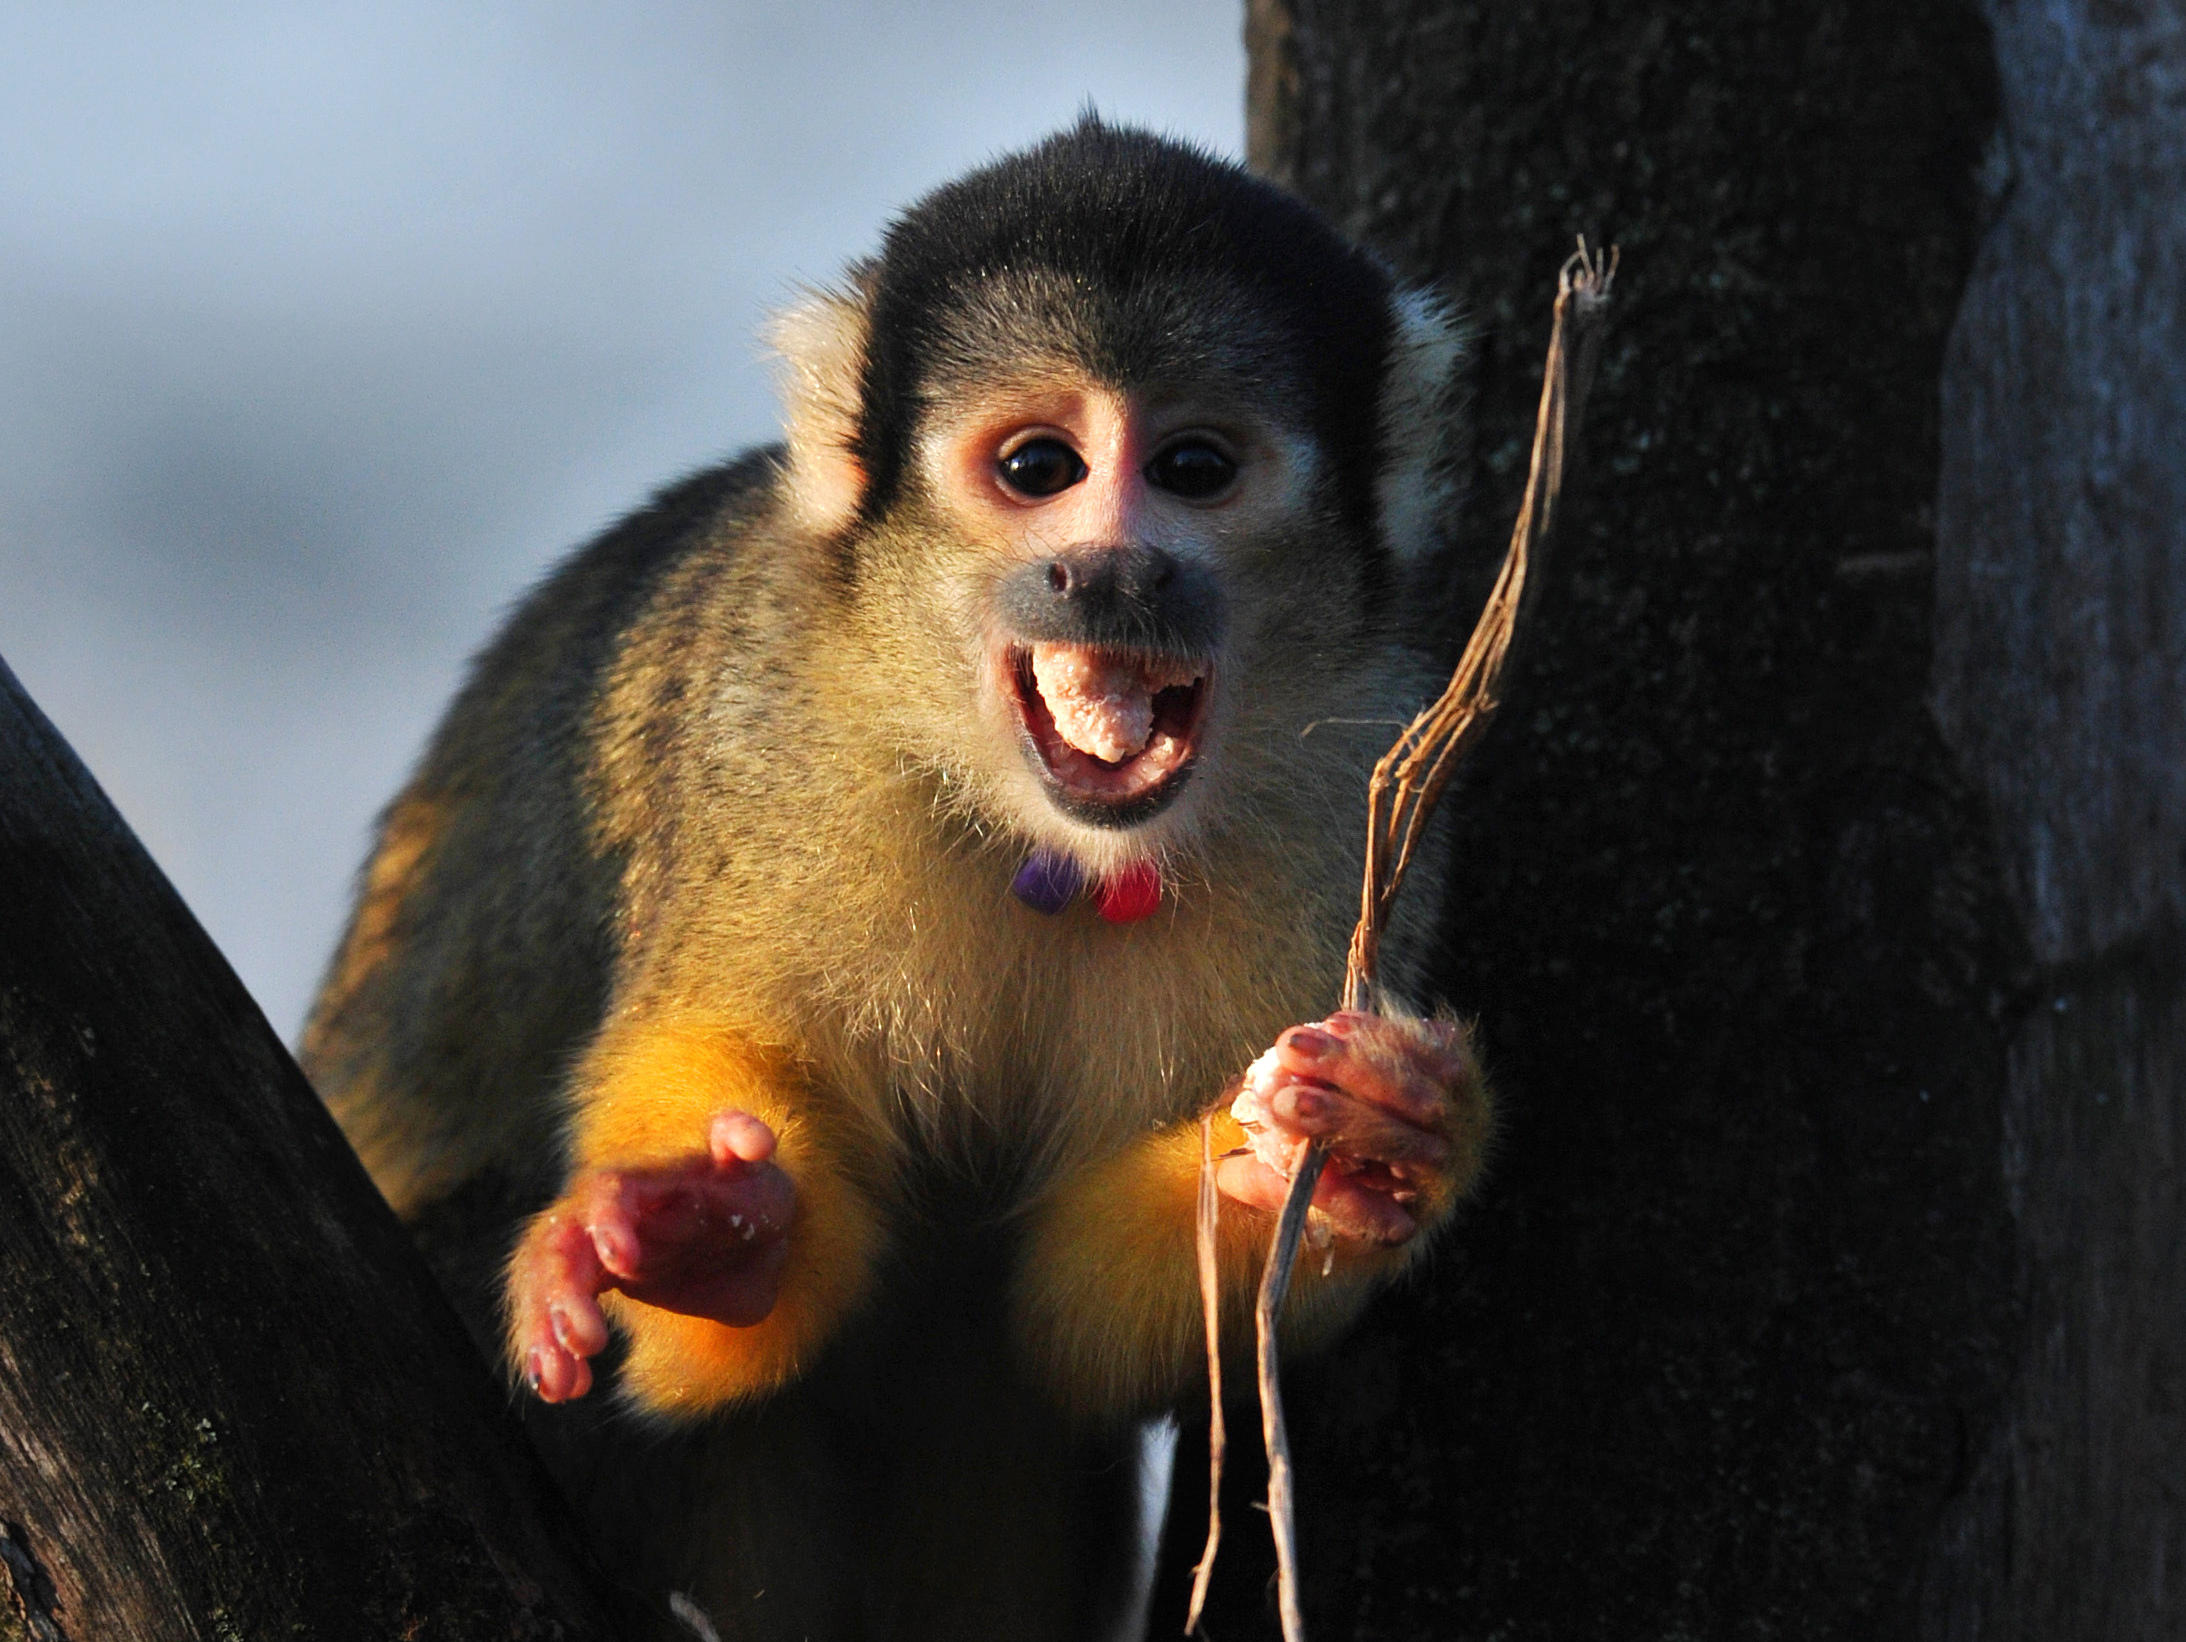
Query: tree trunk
[
  {"x": 1828, "y": 1280},
  {"x": 232, "y": 1402},
  {"x": 2060, "y": 679}
]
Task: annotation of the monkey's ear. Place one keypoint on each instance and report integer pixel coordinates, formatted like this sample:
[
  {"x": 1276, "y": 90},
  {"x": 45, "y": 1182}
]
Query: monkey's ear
[
  {"x": 1420, "y": 430},
  {"x": 820, "y": 341}
]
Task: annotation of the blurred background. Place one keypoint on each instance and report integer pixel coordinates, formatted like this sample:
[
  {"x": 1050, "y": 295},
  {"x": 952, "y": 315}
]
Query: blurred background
[{"x": 325, "y": 330}]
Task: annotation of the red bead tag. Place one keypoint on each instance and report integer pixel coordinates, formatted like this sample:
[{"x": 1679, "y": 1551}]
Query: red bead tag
[{"x": 1132, "y": 894}]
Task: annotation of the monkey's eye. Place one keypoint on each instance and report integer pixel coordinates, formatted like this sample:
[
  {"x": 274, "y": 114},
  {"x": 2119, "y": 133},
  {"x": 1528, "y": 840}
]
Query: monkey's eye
[
  {"x": 1041, "y": 467},
  {"x": 1192, "y": 469}
]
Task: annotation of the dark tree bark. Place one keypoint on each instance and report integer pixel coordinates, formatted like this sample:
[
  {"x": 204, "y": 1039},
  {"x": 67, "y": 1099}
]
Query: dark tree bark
[
  {"x": 1828, "y": 1280},
  {"x": 232, "y": 1402},
  {"x": 2060, "y": 679}
]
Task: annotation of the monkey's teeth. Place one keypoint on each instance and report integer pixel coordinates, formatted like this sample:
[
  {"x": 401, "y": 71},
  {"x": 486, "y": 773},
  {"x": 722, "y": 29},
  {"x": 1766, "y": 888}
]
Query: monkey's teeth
[{"x": 1102, "y": 701}]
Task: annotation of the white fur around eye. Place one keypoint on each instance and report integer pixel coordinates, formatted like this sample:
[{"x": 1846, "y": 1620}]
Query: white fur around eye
[
  {"x": 820, "y": 342},
  {"x": 1419, "y": 400}
]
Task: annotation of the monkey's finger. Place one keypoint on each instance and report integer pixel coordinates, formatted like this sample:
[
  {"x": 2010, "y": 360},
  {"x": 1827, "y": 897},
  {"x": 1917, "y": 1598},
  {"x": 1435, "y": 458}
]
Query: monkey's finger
[
  {"x": 1355, "y": 1211},
  {"x": 553, "y": 1281},
  {"x": 578, "y": 1325},
  {"x": 610, "y": 1205},
  {"x": 1370, "y": 1059},
  {"x": 1358, "y": 1211},
  {"x": 1439, "y": 1048},
  {"x": 558, "y": 1371},
  {"x": 1365, "y": 1065},
  {"x": 556, "y": 1376},
  {"x": 738, "y": 1137},
  {"x": 1357, "y": 1129}
]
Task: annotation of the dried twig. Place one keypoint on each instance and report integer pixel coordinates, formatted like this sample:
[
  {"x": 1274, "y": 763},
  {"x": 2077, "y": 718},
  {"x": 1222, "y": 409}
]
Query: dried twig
[
  {"x": 1210, "y": 1305},
  {"x": 1410, "y": 777},
  {"x": 1400, "y": 799},
  {"x": 1274, "y": 1285}
]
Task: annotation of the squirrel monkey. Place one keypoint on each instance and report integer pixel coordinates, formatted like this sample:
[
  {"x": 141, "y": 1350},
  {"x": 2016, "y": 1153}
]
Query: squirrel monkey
[{"x": 784, "y": 1000}]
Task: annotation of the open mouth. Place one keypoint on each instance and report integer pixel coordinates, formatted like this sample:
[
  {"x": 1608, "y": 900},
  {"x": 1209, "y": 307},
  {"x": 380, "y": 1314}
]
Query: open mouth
[{"x": 1112, "y": 732}]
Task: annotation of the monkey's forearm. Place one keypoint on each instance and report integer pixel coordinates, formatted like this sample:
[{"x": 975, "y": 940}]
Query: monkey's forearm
[
  {"x": 647, "y": 1093},
  {"x": 1108, "y": 1298}
]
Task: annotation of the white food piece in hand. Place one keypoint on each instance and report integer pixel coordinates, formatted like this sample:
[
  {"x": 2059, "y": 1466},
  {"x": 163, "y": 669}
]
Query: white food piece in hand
[{"x": 1270, "y": 1143}]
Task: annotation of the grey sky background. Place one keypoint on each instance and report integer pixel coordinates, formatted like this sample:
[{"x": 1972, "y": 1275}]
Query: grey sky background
[{"x": 323, "y": 330}]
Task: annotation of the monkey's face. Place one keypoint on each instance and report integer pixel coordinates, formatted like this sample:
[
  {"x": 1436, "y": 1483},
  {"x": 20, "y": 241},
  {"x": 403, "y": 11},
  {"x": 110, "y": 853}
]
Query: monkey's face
[
  {"x": 1131, "y": 573},
  {"x": 1105, "y": 622}
]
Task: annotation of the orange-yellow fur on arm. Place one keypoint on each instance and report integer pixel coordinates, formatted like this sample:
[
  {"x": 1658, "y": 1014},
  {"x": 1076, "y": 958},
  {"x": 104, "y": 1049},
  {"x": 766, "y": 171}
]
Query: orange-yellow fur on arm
[
  {"x": 1107, "y": 1295},
  {"x": 645, "y": 1094}
]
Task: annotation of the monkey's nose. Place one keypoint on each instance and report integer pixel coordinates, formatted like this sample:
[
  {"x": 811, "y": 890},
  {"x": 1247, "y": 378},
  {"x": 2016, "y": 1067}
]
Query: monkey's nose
[
  {"x": 1093, "y": 576},
  {"x": 1133, "y": 596}
]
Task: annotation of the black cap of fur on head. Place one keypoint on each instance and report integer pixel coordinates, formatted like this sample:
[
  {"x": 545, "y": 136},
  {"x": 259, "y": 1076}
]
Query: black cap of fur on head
[{"x": 1169, "y": 261}]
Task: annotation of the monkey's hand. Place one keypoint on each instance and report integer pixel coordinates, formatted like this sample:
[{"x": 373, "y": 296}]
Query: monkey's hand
[
  {"x": 706, "y": 1237},
  {"x": 1399, "y": 1102}
]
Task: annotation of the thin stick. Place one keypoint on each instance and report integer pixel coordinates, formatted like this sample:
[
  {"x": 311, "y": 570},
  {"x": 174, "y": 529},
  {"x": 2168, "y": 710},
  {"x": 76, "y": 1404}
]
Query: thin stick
[
  {"x": 1409, "y": 780},
  {"x": 1210, "y": 1305},
  {"x": 1401, "y": 797},
  {"x": 1274, "y": 1285}
]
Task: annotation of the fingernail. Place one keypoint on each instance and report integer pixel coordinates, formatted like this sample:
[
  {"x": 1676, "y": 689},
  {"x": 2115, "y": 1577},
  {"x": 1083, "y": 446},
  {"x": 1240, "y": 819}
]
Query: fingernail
[
  {"x": 1304, "y": 1040},
  {"x": 1303, "y": 1102}
]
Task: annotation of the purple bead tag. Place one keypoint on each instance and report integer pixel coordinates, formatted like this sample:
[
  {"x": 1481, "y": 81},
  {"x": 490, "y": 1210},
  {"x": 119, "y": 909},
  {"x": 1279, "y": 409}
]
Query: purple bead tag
[{"x": 1047, "y": 882}]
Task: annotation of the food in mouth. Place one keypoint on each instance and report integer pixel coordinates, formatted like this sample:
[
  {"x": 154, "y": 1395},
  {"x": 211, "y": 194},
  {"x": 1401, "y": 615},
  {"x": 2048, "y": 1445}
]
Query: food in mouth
[{"x": 1110, "y": 726}]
